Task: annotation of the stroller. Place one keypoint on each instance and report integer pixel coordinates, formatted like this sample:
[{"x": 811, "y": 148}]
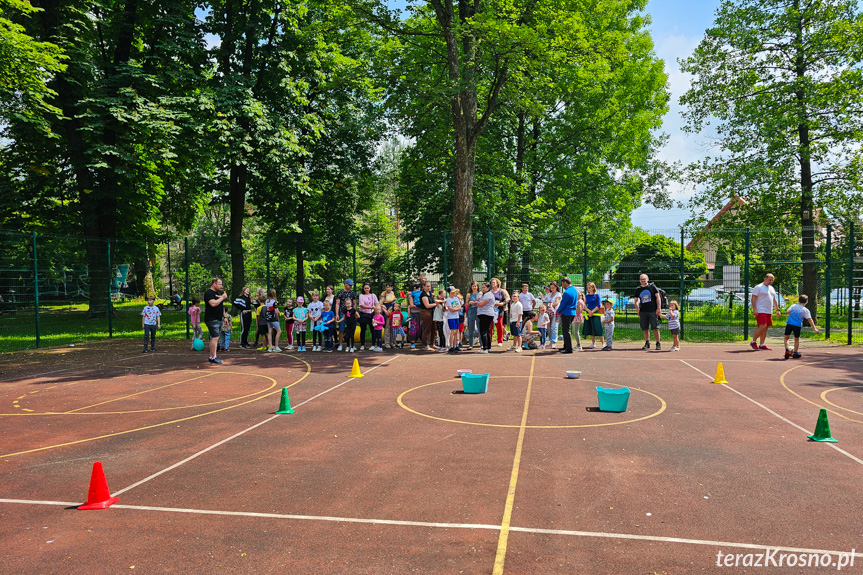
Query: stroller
[{"x": 175, "y": 303}]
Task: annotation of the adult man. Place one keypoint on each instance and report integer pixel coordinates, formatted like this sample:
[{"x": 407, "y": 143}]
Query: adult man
[
  {"x": 763, "y": 298},
  {"x": 528, "y": 302},
  {"x": 648, "y": 306},
  {"x": 566, "y": 310},
  {"x": 341, "y": 297},
  {"x": 214, "y": 315}
]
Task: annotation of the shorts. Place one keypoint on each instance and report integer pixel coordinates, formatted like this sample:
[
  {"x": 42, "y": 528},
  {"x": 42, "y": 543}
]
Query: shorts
[
  {"x": 262, "y": 329},
  {"x": 648, "y": 320},
  {"x": 398, "y": 332},
  {"x": 792, "y": 329},
  {"x": 273, "y": 325},
  {"x": 452, "y": 323},
  {"x": 214, "y": 327},
  {"x": 764, "y": 319},
  {"x": 514, "y": 329},
  {"x": 675, "y": 331}
]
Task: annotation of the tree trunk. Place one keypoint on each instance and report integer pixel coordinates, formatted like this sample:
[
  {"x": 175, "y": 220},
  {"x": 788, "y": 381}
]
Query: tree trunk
[
  {"x": 238, "y": 212},
  {"x": 300, "y": 250}
]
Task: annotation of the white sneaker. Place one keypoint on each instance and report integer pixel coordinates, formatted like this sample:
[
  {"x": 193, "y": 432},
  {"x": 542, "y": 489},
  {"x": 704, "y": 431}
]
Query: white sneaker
[
  {"x": 353, "y": 350},
  {"x": 340, "y": 348},
  {"x": 363, "y": 348},
  {"x": 278, "y": 349},
  {"x": 290, "y": 347},
  {"x": 591, "y": 346},
  {"x": 578, "y": 349},
  {"x": 316, "y": 348},
  {"x": 517, "y": 350},
  {"x": 271, "y": 349},
  {"x": 483, "y": 351},
  {"x": 500, "y": 345}
]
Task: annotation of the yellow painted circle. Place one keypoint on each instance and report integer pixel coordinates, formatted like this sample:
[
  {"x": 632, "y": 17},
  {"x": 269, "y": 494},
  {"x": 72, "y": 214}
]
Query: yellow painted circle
[
  {"x": 400, "y": 400},
  {"x": 791, "y": 391},
  {"x": 824, "y": 397}
]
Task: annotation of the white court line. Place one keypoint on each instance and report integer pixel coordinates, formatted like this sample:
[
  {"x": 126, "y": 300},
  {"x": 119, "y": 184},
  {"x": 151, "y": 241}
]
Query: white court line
[
  {"x": 238, "y": 434},
  {"x": 788, "y": 421},
  {"x": 426, "y": 524}
]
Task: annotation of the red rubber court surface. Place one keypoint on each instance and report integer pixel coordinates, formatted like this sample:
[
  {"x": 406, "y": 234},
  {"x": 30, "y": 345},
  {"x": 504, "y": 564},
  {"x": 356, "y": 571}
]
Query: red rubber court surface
[{"x": 395, "y": 473}]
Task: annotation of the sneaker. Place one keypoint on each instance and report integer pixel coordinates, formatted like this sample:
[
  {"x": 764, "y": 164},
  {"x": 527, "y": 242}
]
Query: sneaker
[
  {"x": 289, "y": 348},
  {"x": 592, "y": 346},
  {"x": 340, "y": 348},
  {"x": 215, "y": 360},
  {"x": 145, "y": 351},
  {"x": 483, "y": 351},
  {"x": 518, "y": 350},
  {"x": 328, "y": 351},
  {"x": 675, "y": 348},
  {"x": 278, "y": 349},
  {"x": 353, "y": 350},
  {"x": 646, "y": 345},
  {"x": 787, "y": 353},
  {"x": 578, "y": 349},
  {"x": 500, "y": 344},
  {"x": 795, "y": 355},
  {"x": 413, "y": 346},
  {"x": 658, "y": 346},
  {"x": 754, "y": 345},
  {"x": 441, "y": 350},
  {"x": 764, "y": 347},
  {"x": 605, "y": 348},
  {"x": 511, "y": 348},
  {"x": 264, "y": 348}
]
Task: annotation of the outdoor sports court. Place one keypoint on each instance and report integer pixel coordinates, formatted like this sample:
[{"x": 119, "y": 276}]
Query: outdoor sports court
[{"x": 395, "y": 473}]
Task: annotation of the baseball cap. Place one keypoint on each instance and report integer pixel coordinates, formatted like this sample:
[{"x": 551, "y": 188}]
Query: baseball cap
[
  {"x": 349, "y": 281},
  {"x": 300, "y": 299}
]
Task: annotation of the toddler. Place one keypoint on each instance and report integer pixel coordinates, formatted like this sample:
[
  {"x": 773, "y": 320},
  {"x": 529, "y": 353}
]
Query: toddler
[
  {"x": 608, "y": 324},
  {"x": 227, "y": 328},
  {"x": 578, "y": 320},
  {"x": 195, "y": 319},
  {"x": 453, "y": 308},
  {"x": 378, "y": 322},
  {"x": 542, "y": 324},
  {"x": 349, "y": 316},
  {"x": 289, "y": 323},
  {"x": 271, "y": 314},
  {"x": 315, "y": 309},
  {"x": 673, "y": 317},
  {"x": 396, "y": 327},
  {"x": 328, "y": 320}
]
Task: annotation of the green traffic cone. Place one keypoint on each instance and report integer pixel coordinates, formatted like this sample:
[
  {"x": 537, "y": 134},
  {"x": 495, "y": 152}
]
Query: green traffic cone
[
  {"x": 285, "y": 404},
  {"x": 822, "y": 429}
]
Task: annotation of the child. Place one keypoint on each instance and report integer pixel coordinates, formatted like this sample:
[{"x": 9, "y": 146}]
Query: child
[
  {"x": 195, "y": 319},
  {"x": 315, "y": 309},
  {"x": 439, "y": 319},
  {"x": 415, "y": 328},
  {"x": 453, "y": 307},
  {"x": 515, "y": 316},
  {"x": 300, "y": 317},
  {"x": 227, "y": 328},
  {"x": 263, "y": 327},
  {"x": 796, "y": 314},
  {"x": 151, "y": 320},
  {"x": 461, "y": 319},
  {"x": 673, "y": 317},
  {"x": 328, "y": 320},
  {"x": 289, "y": 323},
  {"x": 608, "y": 324},
  {"x": 542, "y": 324},
  {"x": 274, "y": 329},
  {"x": 398, "y": 332},
  {"x": 378, "y": 322},
  {"x": 527, "y": 334},
  {"x": 577, "y": 320},
  {"x": 349, "y": 316}
]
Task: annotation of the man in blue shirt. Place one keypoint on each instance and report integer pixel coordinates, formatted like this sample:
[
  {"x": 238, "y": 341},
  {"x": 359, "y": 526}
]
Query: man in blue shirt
[{"x": 566, "y": 309}]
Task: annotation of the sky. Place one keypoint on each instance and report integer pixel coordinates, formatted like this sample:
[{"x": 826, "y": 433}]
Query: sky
[{"x": 677, "y": 28}]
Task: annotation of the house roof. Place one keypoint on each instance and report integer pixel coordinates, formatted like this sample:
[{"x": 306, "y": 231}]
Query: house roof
[{"x": 734, "y": 202}]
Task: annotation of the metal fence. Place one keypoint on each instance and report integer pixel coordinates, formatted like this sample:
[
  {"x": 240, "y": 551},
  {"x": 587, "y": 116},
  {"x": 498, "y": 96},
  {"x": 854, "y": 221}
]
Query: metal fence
[{"x": 59, "y": 290}]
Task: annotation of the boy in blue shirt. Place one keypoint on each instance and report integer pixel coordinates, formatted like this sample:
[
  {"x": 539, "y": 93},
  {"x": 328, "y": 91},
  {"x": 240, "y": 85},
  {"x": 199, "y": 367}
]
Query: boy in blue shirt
[
  {"x": 797, "y": 313},
  {"x": 328, "y": 322},
  {"x": 151, "y": 320}
]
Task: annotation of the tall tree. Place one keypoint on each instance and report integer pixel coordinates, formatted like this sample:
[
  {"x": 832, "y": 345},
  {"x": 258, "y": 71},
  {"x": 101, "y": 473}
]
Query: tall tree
[{"x": 782, "y": 80}]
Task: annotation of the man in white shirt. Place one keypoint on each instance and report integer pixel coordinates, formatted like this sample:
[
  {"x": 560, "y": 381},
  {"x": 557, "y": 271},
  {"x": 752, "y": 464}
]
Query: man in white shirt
[{"x": 763, "y": 298}]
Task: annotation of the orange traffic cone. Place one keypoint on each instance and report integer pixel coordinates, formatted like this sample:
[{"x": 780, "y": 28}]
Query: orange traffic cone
[{"x": 99, "y": 497}]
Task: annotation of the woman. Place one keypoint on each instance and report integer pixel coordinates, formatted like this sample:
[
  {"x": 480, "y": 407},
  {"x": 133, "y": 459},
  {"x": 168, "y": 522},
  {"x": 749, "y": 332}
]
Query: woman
[
  {"x": 593, "y": 321},
  {"x": 501, "y": 300},
  {"x": 470, "y": 316},
  {"x": 554, "y": 319},
  {"x": 485, "y": 306},
  {"x": 428, "y": 303},
  {"x": 243, "y": 303},
  {"x": 368, "y": 301},
  {"x": 388, "y": 299}
]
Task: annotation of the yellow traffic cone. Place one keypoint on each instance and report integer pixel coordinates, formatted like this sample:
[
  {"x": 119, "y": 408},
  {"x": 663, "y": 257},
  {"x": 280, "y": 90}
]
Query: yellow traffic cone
[
  {"x": 355, "y": 371},
  {"x": 720, "y": 374}
]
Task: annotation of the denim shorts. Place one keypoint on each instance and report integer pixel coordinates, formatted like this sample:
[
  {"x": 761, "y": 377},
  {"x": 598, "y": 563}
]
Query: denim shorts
[{"x": 214, "y": 327}]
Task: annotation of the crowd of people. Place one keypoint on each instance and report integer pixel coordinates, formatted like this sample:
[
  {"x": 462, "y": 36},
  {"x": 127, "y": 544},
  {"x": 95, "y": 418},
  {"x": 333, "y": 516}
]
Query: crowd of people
[{"x": 442, "y": 320}]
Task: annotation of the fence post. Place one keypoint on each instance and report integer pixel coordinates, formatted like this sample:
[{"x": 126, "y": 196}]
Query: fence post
[
  {"x": 110, "y": 301},
  {"x": 170, "y": 283},
  {"x": 354, "y": 240},
  {"x": 445, "y": 263},
  {"x": 746, "y": 287},
  {"x": 268, "y": 264},
  {"x": 682, "y": 271},
  {"x": 852, "y": 245},
  {"x": 829, "y": 256},
  {"x": 584, "y": 268},
  {"x": 186, "y": 263},
  {"x": 489, "y": 266},
  {"x": 36, "y": 286}
]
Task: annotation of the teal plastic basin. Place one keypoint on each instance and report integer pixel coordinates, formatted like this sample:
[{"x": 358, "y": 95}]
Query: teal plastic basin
[
  {"x": 613, "y": 399},
  {"x": 474, "y": 382}
]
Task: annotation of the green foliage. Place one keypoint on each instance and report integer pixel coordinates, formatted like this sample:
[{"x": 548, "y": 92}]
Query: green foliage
[
  {"x": 200, "y": 279},
  {"x": 659, "y": 258}
]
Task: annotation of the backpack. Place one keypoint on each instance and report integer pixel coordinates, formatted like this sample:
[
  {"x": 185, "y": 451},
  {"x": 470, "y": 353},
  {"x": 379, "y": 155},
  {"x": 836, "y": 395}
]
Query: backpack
[
  {"x": 271, "y": 314},
  {"x": 663, "y": 297}
]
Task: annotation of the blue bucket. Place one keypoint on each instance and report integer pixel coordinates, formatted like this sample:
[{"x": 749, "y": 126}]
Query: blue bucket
[
  {"x": 613, "y": 399},
  {"x": 474, "y": 383}
]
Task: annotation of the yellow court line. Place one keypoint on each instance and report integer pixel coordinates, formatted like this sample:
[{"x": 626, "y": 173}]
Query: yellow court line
[
  {"x": 662, "y": 407},
  {"x": 305, "y": 375},
  {"x": 202, "y": 376},
  {"x": 819, "y": 406},
  {"x": 503, "y": 538},
  {"x": 824, "y": 397}
]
